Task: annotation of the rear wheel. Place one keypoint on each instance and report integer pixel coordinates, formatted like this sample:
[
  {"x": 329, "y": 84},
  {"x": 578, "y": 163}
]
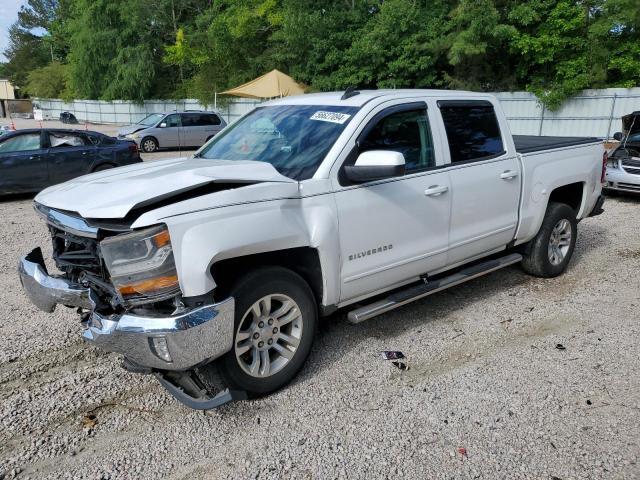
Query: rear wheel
[
  {"x": 149, "y": 144},
  {"x": 550, "y": 251},
  {"x": 275, "y": 323}
]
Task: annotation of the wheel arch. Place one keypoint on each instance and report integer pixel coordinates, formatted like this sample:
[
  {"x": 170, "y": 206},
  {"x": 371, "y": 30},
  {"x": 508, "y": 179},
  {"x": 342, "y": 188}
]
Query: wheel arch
[
  {"x": 572, "y": 194},
  {"x": 305, "y": 261}
]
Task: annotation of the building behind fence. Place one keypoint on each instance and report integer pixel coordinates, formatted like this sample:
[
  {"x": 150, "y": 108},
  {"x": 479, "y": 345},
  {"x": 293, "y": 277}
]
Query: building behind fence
[{"x": 592, "y": 113}]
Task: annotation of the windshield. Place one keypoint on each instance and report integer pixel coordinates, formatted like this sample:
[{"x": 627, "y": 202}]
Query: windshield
[
  {"x": 151, "y": 120},
  {"x": 293, "y": 138}
]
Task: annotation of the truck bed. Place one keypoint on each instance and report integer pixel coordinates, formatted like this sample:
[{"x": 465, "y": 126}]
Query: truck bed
[{"x": 534, "y": 143}]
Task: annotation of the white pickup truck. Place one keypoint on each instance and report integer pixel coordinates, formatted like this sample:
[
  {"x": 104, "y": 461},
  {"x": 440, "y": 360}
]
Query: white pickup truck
[{"x": 362, "y": 201}]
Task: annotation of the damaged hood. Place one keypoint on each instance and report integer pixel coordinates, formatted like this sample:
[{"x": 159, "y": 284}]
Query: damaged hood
[
  {"x": 114, "y": 193},
  {"x": 130, "y": 129}
]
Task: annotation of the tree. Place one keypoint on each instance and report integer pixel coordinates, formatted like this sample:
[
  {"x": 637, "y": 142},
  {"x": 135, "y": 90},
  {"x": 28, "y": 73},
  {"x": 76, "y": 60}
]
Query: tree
[
  {"x": 48, "y": 82},
  {"x": 111, "y": 55},
  {"x": 137, "y": 49},
  {"x": 26, "y": 52}
]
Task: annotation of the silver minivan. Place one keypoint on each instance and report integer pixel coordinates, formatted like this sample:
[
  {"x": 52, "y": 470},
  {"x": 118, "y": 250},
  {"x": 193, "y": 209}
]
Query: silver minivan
[{"x": 187, "y": 129}]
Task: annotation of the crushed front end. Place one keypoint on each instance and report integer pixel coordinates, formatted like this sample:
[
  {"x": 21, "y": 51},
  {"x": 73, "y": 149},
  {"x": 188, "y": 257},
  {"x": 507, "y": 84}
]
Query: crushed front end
[{"x": 124, "y": 285}]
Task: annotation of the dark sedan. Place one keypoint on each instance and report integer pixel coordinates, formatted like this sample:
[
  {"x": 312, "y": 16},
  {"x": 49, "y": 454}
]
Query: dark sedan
[{"x": 33, "y": 159}]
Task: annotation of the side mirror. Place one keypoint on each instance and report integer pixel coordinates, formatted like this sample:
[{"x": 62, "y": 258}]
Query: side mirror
[
  {"x": 618, "y": 136},
  {"x": 163, "y": 125},
  {"x": 376, "y": 165}
]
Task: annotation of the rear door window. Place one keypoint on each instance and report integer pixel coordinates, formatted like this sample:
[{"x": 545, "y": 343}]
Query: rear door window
[
  {"x": 199, "y": 120},
  {"x": 211, "y": 119},
  {"x": 189, "y": 119},
  {"x": 472, "y": 130},
  {"x": 64, "y": 139}
]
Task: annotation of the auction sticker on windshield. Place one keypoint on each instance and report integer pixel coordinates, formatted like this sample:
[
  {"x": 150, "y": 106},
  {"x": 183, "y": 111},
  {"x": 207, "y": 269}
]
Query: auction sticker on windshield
[{"x": 333, "y": 117}]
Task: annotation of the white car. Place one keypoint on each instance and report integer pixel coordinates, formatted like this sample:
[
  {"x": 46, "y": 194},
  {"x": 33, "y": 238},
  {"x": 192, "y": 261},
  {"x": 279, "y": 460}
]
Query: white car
[
  {"x": 362, "y": 201},
  {"x": 623, "y": 167}
]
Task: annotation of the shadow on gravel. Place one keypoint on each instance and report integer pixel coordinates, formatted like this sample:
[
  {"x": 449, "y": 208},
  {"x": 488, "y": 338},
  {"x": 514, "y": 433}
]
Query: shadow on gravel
[
  {"x": 15, "y": 197},
  {"x": 584, "y": 247},
  {"x": 622, "y": 197},
  {"x": 343, "y": 336}
]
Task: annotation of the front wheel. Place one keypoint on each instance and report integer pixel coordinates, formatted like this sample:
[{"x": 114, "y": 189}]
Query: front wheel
[
  {"x": 550, "y": 251},
  {"x": 275, "y": 324},
  {"x": 149, "y": 144}
]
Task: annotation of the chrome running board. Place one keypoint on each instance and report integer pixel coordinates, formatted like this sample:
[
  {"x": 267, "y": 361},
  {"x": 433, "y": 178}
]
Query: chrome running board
[{"x": 417, "y": 292}]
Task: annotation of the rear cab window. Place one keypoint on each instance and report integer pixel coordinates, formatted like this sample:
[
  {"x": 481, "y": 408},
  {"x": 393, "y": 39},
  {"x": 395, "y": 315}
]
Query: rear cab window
[{"x": 472, "y": 128}]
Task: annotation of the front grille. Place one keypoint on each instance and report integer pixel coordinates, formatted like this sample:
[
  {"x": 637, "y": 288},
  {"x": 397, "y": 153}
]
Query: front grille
[
  {"x": 75, "y": 252},
  {"x": 631, "y": 165},
  {"x": 79, "y": 257},
  {"x": 629, "y": 186}
]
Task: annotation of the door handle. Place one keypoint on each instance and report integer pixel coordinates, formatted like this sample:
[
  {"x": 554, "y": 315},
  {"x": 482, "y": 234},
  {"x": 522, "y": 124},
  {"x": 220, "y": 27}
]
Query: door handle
[
  {"x": 435, "y": 190},
  {"x": 508, "y": 174}
]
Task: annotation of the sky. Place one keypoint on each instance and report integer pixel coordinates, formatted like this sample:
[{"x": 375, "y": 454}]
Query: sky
[{"x": 8, "y": 15}]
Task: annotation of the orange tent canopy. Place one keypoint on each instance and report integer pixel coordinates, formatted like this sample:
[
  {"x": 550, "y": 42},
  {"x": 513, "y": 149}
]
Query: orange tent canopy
[{"x": 270, "y": 85}]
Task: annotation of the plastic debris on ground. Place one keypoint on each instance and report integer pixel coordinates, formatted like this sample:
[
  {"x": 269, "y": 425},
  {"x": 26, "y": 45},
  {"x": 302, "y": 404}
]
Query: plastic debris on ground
[{"x": 397, "y": 358}]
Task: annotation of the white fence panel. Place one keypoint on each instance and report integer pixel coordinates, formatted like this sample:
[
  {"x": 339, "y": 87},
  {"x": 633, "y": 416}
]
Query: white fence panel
[
  {"x": 125, "y": 112},
  {"x": 592, "y": 113}
]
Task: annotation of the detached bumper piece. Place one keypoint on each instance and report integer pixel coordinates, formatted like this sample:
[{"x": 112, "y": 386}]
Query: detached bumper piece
[
  {"x": 44, "y": 291},
  {"x": 170, "y": 343},
  {"x": 188, "y": 388}
]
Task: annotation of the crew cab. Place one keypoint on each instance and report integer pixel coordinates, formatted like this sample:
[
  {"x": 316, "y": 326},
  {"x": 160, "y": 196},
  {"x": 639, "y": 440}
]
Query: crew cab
[{"x": 222, "y": 264}]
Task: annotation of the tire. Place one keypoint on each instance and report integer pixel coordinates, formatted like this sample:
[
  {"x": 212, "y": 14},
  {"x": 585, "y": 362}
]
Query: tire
[
  {"x": 149, "y": 144},
  {"x": 102, "y": 167},
  {"x": 550, "y": 251},
  {"x": 280, "y": 285}
]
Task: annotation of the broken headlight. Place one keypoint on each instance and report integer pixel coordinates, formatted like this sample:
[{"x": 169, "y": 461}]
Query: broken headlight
[{"x": 141, "y": 264}]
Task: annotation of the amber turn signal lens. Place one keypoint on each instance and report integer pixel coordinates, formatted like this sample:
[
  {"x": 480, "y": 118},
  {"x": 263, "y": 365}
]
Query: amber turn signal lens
[
  {"x": 147, "y": 286},
  {"x": 162, "y": 239}
]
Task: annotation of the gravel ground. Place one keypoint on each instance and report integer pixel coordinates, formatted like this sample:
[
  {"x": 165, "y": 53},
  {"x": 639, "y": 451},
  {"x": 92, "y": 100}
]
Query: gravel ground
[{"x": 488, "y": 393}]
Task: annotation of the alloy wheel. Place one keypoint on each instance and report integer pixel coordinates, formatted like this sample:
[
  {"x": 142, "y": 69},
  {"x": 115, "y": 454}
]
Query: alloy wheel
[
  {"x": 559, "y": 242},
  {"x": 268, "y": 335}
]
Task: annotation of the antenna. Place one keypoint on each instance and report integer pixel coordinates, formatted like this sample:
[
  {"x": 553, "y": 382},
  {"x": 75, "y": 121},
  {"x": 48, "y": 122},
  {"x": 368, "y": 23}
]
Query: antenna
[{"x": 349, "y": 92}]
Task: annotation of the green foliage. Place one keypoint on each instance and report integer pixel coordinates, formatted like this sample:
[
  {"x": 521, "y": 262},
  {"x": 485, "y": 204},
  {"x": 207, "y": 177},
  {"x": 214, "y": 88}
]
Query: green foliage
[
  {"x": 49, "y": 81},
  {"x": 137, "y": 49},
  {"x": 26, "y": 52}
]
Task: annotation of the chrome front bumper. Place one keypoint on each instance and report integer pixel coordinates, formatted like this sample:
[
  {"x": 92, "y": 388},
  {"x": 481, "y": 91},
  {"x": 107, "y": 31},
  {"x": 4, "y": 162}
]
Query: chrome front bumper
[
  {"x": 176, "y": 342},
  {"x": 620, "y": 180}
]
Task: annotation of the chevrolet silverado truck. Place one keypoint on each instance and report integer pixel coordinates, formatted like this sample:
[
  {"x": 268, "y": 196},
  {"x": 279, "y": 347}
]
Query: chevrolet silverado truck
[{"x": 220, "y": 266}]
